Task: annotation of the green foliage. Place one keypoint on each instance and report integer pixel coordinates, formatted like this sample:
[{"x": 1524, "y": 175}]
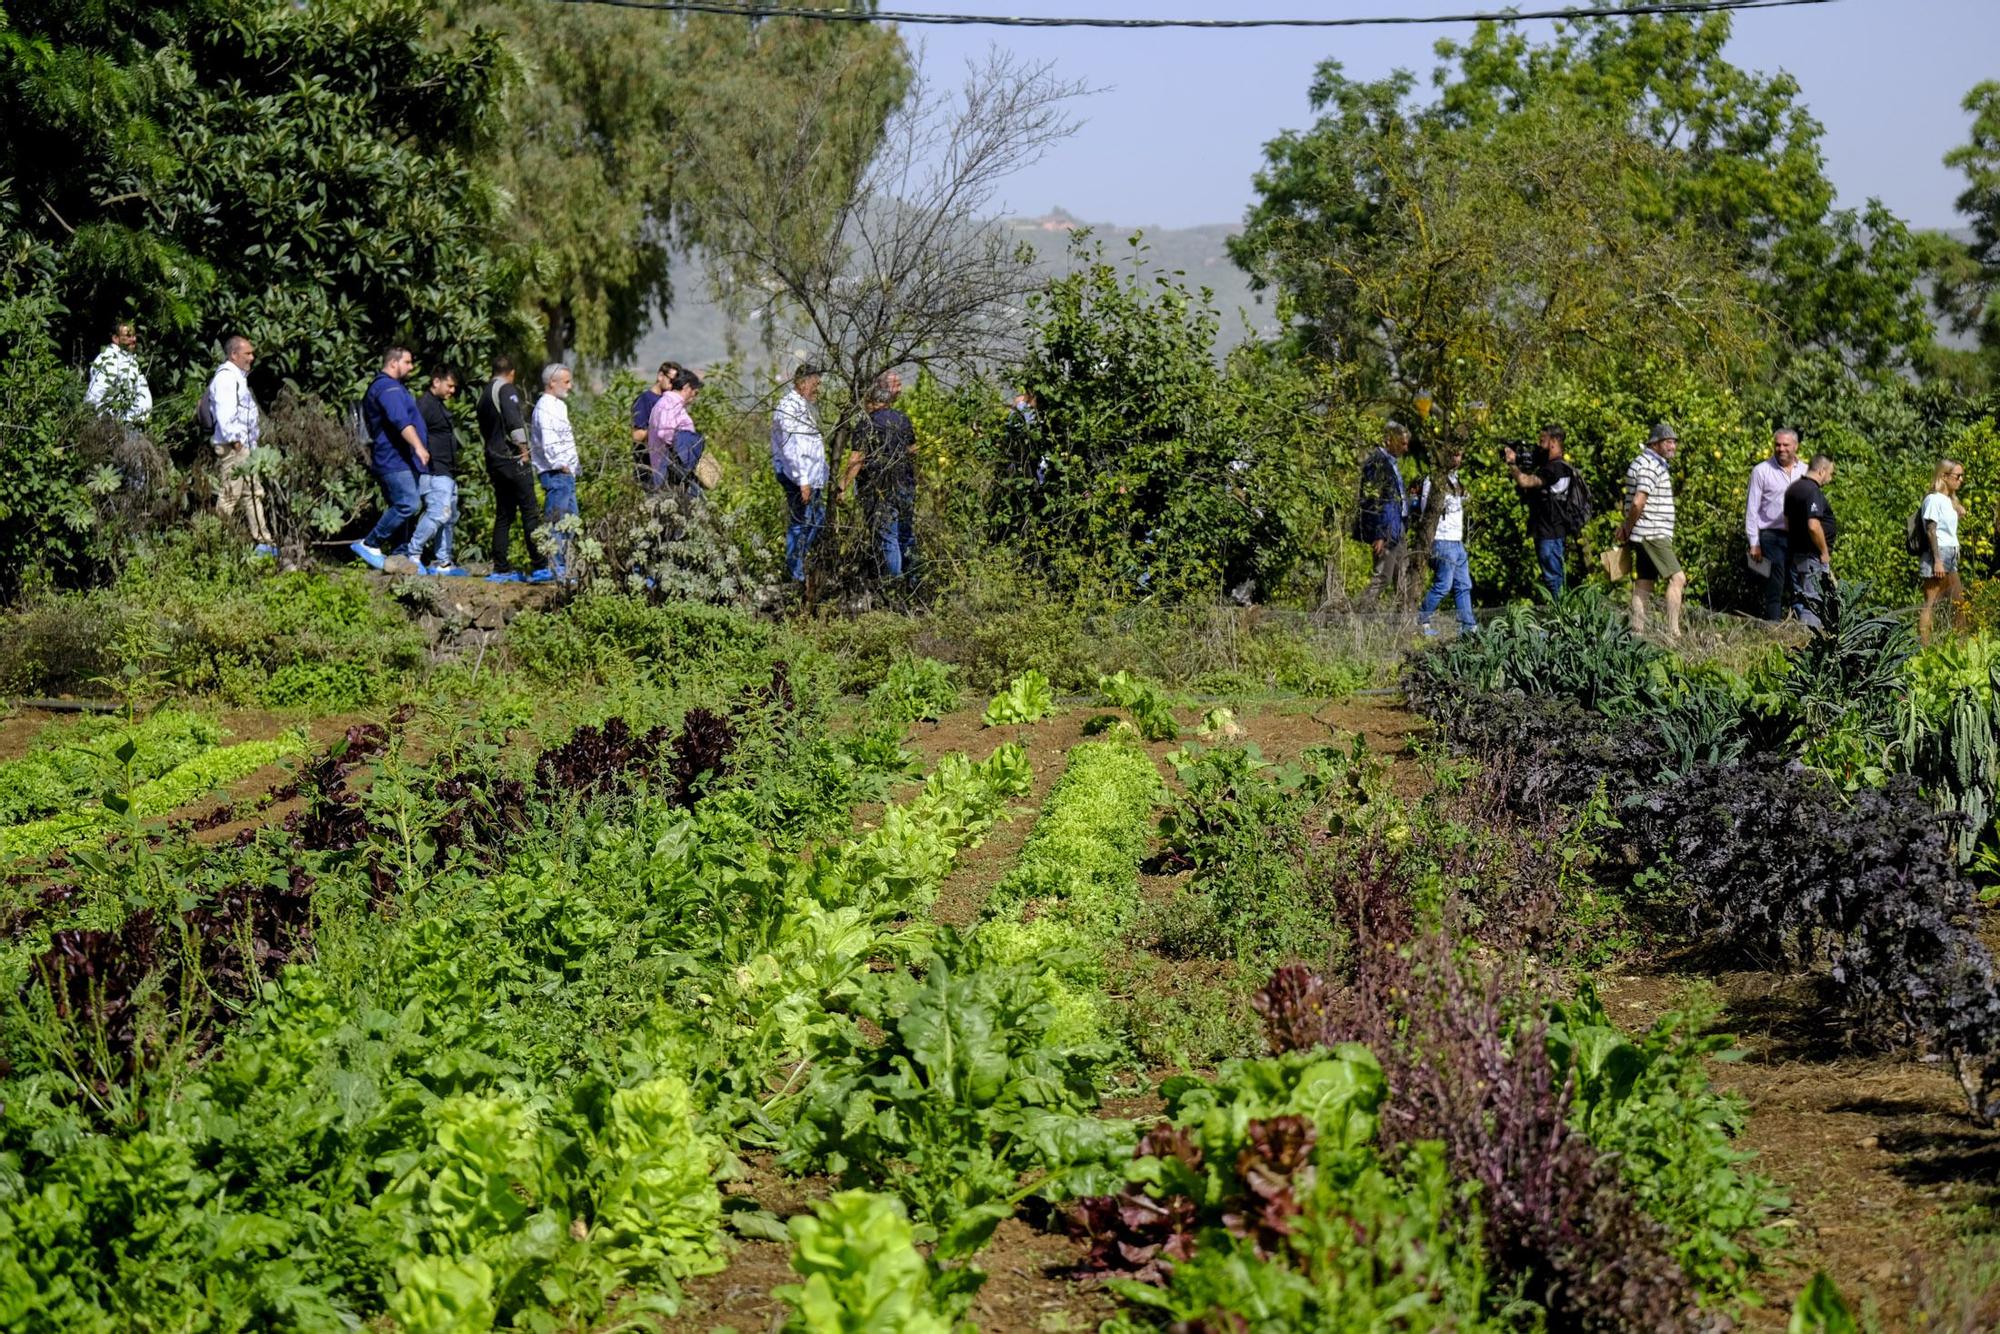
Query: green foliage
[
  {"x": 858, "y": 1256},
  {"x": 1027, "y": 699},
  {"x": 1820, "y": 1309},
  {"x": 1649, "y": 1102},
  {"x": 71, "y": 762},
  {"x": 915, "y": 690},
  {"x": 1968, "y": 274},
  {"x": 1151, "y": 714}
]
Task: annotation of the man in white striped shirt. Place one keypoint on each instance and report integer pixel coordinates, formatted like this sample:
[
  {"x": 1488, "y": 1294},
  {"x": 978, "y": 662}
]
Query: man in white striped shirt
[
  {"x": 552, "y": 447},
  {"x": 1648, "y": 530},
  {"x": 798, "y": 458}
]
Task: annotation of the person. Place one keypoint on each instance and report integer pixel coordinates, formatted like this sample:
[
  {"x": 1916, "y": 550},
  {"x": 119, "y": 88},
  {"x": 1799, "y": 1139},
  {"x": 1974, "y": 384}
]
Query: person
[
  {"x": 1766, "y": 521},
  {"x": 644, "y": 471},
  {"x": 552, "y": 444},
  {"x": 437, "y": 486},
  {"x": 1383, "y": 514},
  {"x": 798, "y": 459},
  {"x": 1938, "y": 566},
  {"x": 1443, "y": 520},
  {"x": 398, "y": 453},
  {"x": 670, "y": 452},
  {"x": 237, "y": 428},
  {"x": 503, "y": 424},
  {"x": 1547, "y": 490},
  {"x": 117, "y": 386},
  {"x": 884, "y": 471},
  {"x": 1648, "y": 529},
  {"x": 1810, "y": 529}
]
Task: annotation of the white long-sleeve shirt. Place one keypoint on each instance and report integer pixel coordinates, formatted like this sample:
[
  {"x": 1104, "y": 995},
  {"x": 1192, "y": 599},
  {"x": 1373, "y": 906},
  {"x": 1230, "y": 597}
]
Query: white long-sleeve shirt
[
  {"x": 798, "y": 454},
  {"x": 1765, "y": 506},
  {"x": 551, "y": 441},
  {"x": 235, "y": 407},
  {"x": 118, "y": 387}
]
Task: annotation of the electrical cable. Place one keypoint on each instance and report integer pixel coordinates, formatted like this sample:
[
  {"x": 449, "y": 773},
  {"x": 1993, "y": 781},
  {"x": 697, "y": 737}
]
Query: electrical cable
[{"x": 758, "y": 11}]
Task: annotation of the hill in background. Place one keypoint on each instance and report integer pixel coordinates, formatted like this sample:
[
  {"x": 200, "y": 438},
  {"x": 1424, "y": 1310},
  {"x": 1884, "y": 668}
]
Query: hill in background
[{"x": 699, "y": 332}]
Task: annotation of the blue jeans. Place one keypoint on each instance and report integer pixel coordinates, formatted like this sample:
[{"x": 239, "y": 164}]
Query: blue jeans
[
  {"x": 399, "y": 490},
  {"x": 1551, "y": 553},
  {"x": 558, "y": 503},
  {"x": 895, "y": 537},
  {"x": 804, "y": 520},
  {"x": 440, "y": 516},
  {"x": 1454, "y": 576}
]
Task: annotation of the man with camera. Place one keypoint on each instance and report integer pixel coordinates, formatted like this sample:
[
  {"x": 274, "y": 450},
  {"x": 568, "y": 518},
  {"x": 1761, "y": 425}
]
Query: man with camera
[{"x": 1558, "y": 505}]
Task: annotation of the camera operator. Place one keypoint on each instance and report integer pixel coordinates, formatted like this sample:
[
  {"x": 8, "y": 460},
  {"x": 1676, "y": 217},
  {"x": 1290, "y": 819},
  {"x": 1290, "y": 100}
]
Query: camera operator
[{"x": 1557, "y": 502}]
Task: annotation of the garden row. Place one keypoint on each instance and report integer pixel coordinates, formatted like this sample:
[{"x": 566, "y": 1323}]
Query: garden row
[{"x": 1799, "y": 813}]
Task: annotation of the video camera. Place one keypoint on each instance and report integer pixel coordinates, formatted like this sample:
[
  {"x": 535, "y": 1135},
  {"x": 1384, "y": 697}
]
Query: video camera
[{"x": 1528, "y": 456}]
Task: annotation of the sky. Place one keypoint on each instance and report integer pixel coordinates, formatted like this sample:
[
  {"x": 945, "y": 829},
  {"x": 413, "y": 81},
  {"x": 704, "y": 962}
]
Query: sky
[{"x": 1177, "y": 131}]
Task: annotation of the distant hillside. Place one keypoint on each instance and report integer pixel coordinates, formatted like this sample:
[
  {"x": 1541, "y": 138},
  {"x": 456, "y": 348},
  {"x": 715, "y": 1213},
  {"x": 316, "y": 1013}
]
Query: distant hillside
[{"x": 699, "y": 332}]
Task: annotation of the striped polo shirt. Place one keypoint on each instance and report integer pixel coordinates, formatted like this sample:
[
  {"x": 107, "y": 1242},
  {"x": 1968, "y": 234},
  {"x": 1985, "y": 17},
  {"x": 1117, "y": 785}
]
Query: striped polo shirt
[{"x": 1648, "y": 473}]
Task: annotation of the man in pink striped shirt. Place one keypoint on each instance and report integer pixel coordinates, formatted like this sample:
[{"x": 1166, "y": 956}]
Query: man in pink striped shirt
[{"x": 1764, "y": 517}]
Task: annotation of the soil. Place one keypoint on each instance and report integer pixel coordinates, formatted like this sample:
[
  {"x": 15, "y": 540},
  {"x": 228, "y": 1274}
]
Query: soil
[{"x": 1875, "y": 1150}]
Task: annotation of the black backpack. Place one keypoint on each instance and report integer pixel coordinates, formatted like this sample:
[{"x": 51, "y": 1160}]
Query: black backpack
[
  {"x": 1916, "y": 537},
  {"x": 1572, "y": 507},
  {"x": 204, "y": 414}
]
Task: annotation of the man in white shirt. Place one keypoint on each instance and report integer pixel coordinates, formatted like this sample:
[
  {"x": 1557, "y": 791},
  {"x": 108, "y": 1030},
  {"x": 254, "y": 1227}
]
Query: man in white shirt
[
  {"x": 237, "y": 427},
  {"x": 1648, "y": 529},
  {"x": 1764, "y": 516},
  {"x": 118, "y": 386},
  {"x": 552, "y": 448},
  {"x": 798, "y": 458}
]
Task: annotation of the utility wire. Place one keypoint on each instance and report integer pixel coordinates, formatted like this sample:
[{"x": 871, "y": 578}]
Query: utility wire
[{"x": 758, "y": 11}]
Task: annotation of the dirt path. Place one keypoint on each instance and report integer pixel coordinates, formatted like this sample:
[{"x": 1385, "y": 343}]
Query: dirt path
[{"x": 1875, "y": 1151}]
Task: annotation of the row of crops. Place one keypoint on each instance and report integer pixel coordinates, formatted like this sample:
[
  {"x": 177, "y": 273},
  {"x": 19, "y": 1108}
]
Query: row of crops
[{"x": 478, "y": 1039}]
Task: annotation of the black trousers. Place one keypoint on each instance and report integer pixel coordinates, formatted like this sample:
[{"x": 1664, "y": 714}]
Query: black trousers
[
  {"x": 1775, "y": 543},
  {"x": 513, "y": 493}
]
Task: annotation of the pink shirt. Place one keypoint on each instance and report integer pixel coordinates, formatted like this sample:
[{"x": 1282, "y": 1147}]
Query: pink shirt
[
  {"x": 670, "y": 415},
  {"x": 1766, "y": 507}
]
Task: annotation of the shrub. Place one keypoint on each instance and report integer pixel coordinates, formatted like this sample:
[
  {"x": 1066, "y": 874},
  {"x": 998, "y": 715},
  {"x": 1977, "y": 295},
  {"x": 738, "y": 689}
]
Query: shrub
[{"x": 914, "y": 690}]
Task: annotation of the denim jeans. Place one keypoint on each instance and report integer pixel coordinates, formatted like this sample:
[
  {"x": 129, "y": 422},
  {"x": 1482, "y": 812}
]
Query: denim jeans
[
  {"x": 895, "y": 536},
  {"x": 440, "y": 496},
  {"x": 1454, "y": 576},
  {"x": 1552, "y": 553},
  {"x": 399, "y": 491},
  {"x": 1776, "y": 544},
  {"x": 1806, "y": 572},
  {"x": 558, "y": 503},
  {"x": 805, "y": 518}
]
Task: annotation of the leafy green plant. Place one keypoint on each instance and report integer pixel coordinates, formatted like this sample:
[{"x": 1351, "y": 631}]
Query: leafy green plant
[
  {"x": 1151, "y": 713},
  {"x": 863, "y": 1272},
  {"x": 1028, "y": 699},
  {"x": 73, "y": 761},
  {"x": 915, "y": 690}
]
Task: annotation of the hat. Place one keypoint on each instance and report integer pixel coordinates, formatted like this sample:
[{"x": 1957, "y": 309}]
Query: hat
[
  {"x": 1661, "y": 431},
  {"x": 807, "y": 369}
]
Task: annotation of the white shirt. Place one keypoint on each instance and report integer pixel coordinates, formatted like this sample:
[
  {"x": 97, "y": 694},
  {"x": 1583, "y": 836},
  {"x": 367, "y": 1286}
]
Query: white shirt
[
  {"x": 235, "y": 407},
  {"x": 1939, "y": 510},
  {"x": 1649, "y": 473},
  {"x": 551, "y": 441},
  {"x": 797, "y": 451},
  {"x": 1451, "y": 523},
  {"x": 118, "y": 386}
]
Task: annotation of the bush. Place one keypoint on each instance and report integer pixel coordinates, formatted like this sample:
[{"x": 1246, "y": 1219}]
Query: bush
[{"x": 915, "y": 690}]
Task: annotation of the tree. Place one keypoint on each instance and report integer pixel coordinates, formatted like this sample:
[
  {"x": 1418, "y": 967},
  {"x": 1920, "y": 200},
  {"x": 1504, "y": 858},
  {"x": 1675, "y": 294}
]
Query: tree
[
  {"x": 600, "y": 106},
  {"x": 1458, "y": 259},
  {"x": 1968, "y": 274},
  {"x": 1734, "y": 155},
  {"x": 306, "y": 176}
]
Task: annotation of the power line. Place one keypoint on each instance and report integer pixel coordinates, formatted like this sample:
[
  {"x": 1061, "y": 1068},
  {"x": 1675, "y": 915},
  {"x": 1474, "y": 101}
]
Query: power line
[{"x": 757, "y": 11}]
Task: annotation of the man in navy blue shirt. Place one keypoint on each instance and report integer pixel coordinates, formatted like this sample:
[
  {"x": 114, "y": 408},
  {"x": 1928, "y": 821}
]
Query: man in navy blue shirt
[
  {"x": 398, "y": 452},
  {"x": 642, "y": 419}
]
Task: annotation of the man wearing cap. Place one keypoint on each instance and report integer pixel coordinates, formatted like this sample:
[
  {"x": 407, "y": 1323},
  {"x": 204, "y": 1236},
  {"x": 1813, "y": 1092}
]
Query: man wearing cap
[
  {"x": 798, "y": 458},
  {"x": 1648, "y": 529}
]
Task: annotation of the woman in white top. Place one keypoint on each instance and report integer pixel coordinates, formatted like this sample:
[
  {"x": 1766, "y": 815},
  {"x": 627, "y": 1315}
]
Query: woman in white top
[{"x": 1939, "y": 565}]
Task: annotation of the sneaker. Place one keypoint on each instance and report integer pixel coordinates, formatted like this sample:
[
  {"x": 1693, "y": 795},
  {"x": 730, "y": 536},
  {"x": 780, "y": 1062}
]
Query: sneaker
[
  {"x": 542, "y": 576},
  {"x": 264, "y": 549},
  {"x": 367, "y": 553},
  {"x": 1429, "y": 631},
  {"x": 505, "y": 577},
  {"x": 448, "y": 571}
]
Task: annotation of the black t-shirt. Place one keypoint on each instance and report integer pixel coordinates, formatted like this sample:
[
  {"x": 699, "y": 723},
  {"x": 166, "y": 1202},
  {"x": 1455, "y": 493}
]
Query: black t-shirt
[
  {"x": 889, "y": 453},
  {"x": 441, "y": 434},
  {"x": 500, "y": 415},
  {"x": 1805, "y": 501},
  {"x": 1544, "y": 501}
]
